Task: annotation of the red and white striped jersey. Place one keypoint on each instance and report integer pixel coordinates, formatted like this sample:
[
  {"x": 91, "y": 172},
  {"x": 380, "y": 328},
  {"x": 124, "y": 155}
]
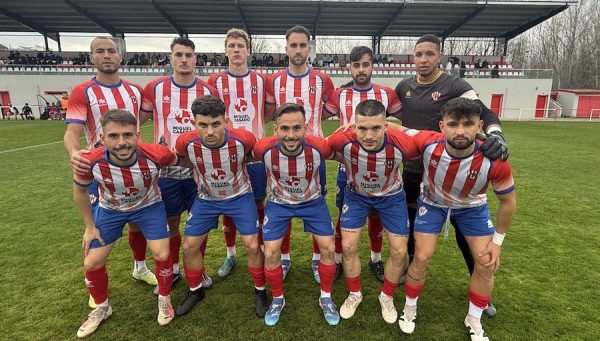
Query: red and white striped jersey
[
  {"x": 310, "y": 90},
  {"x": 374, "y": 173},
  {"x": 90, "y": 100},
  {"x": 458, "y": 182},
  {"x": 220, "y": 173},
  {"x": 171, "y": 105},
  {"x": 293, "y": 179},
  {"x": 128, "y": 188},
  {"x": 244, "y": 97},
  {"x": 344, "y": 101}
]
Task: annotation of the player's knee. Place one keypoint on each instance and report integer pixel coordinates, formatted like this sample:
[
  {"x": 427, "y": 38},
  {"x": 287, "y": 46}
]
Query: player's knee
[
  {"x": 349, "y": 248},
  {"x": 421, "y": 260},
  {"x": 253, "y": 249},
  {"x": 90, "y": 264},
  {"x": 271, "y": 257},
  {"x": 190, "y": 249},
  {"x": 161, "y": 255},
  {"x": 398, "y": 252}
]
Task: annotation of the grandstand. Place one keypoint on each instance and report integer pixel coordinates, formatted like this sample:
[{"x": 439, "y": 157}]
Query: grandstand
[{"x": 517, "y": 94}]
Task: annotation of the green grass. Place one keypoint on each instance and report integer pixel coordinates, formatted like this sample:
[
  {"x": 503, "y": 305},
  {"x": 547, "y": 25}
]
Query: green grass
[{"x": 546, "y": 288}]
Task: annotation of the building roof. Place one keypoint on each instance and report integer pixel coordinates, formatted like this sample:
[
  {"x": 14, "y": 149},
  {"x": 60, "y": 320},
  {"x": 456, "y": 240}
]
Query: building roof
[{"x": 445, "y": 18}]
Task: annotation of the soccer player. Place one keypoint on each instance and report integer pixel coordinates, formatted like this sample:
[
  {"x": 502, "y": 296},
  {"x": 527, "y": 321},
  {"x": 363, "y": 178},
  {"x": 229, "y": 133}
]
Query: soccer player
[
  {"x": 456, "y": 177},
  {"x": 372, "y": 158},
  {"x": 126, "y": 171},
  {"x": 244, "y": 93},
  {"x": 304, "y": 86},
  {"x": 343, "y": 104},
  {"x": 170, "y": 99},
  {"x": 422, "y": 98},
  {"x": 218, "y": 156},
  {"x": 292, "y": 159},
  {"x": 88, "y": 102}
]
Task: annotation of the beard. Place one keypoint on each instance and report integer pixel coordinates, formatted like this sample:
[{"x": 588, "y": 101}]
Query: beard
[
  {"x": 298, "y": 61},
  {"x": 366, "y": 80},
  {"x": 462, "y": 145}
]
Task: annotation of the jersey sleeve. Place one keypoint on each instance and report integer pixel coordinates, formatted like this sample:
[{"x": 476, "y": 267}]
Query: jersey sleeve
[
  {"x": 260, "y": 147},
  {"x": 328, "y": 89},
  {"x": 394, "y": 105},
  {"x": 148, "y": 97},
  {"x": 337, "y": 140},
  {"x": 87, "y": 178},
  {"x": 270, "y": 92},
  {"x": 462, "y": 88},
  {"x": 182, "y": 141},
  {"x": 212, "y": 80},
  {"x": 247, "y": 138},
  {"x": 501, "y": 177},
  {"x": 213, "y": 90},
  {"x": 422, "y": 138},
  {"x": 332, "y": 106},
  {"x": 406, "y": 144},
  {"x": 78, "y": 106},
  {"x": 162, "y": 155}
]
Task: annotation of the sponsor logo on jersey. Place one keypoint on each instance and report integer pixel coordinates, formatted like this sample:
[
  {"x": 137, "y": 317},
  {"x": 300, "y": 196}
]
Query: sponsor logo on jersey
[
  {"x": 131, "y": 191},
  {"x": 370, "y": 176},
  {"x": 218, "y": 174},
  {"x": 436, "y": 95},
  {"x": 241, "y": 104},
  {"x": 293, "y": 181},
  {"x": 183, "y": 116}
]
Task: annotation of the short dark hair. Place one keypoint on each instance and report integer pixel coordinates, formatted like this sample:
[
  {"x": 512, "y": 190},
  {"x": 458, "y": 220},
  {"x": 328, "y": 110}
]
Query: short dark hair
[
  {"x": 288, "y": 108},
  {"x": 208, "y": 106},
  {"x": 429, "y": 38},
  {"x": 359, "y": 51},
  {"x": 183, "y": 41},
  {"x": 120, "y": 116},
  {"x": 370, "y": 107},
  {"x": 460, "y": 107},
  {"x": 297, "y": 29}
]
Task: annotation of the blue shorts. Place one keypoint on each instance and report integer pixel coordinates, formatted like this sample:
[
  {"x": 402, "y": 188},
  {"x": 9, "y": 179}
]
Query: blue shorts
[
  {"x": 341, "y": 182},
  {"x": 323, "y": 178},
  {"x": 178, "y": 195},
  {"x": 152, "y": 221},
  {"x": 473, "y": 221},
  {"x": 204, "y": 215},
  {"x": 94, "y": 195},
  {"x": 258, "y": 179},
  {"x": 391, "y": 209},
  {"x": 314, "y": 214}
]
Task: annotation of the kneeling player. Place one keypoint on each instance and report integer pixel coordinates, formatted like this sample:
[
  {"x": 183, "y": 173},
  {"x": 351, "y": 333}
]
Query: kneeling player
[
  {"x": 127, "y": 175},
  {"x": 454, "y": 184},
  {"x": 218, "y": 156},
  {"x": 293, "y": 161}
]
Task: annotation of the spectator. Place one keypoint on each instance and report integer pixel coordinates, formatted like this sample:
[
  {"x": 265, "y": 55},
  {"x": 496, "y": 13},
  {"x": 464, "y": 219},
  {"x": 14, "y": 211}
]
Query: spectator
[
  {"x": 463, "y": 69},
  {"x": 15, "y": 111},
  {"x": 495, "y": 73},
  {"x": 46, "y": 114}
]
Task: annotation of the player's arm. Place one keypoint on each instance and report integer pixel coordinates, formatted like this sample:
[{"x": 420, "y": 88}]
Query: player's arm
[
  {"x": 79, "y": 164},
  {"x": 82, "y": 200},
  {"x": 395, "y": 126},
  {"x": 506, "y": 213}
]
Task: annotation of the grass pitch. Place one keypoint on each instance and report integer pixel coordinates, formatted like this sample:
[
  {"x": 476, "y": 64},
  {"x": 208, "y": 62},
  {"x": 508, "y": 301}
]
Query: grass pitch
[{"x": 546, "y": 288}]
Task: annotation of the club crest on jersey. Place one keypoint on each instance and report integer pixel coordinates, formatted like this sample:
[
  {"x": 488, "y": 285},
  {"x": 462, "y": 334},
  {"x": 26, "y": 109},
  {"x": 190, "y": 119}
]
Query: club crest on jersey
[
  {"x": 473, "y": 174},
  {"x": 241, "y": 104},
  {"x": 233, "y": 157},
  {"x": 133, "y": 99},
  {"x": 389, "y": 164},
  {"x": 183, "y": 116},
  {"x": 218, "y": 174},
  {"x": 310, "y": 166},
  {"x": 254, "y": 89},
  {"x": 422, "y": 211},
  {"x": 408, "y": 94},
  {"x": 370, "y": 176},
  {"x": 166, "y": 99},
  {"x": 131, "y": 191},
  {"x": 436, "y": 95},
  {"x": 312, "y": 89},
  {"x": 146, "y": 175}
]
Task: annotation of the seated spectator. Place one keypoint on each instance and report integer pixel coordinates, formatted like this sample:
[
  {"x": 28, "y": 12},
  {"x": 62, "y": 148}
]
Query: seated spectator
[
  {"x": 495, "y": 73},
  {"x": 26, "y": 112}
]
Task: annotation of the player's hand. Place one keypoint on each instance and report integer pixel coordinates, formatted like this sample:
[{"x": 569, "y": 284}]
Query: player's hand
[
  {"x": 344, "y": 128},
  {"x": 495, "y": 146},
  {"x": 89, "y": 235},
  {"x": 80, "y": 164},
  {"x": 494, "y": 251}
]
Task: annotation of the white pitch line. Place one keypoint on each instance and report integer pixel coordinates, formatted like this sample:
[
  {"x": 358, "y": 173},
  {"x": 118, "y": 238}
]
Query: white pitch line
[{"x": 29, "y": 147}]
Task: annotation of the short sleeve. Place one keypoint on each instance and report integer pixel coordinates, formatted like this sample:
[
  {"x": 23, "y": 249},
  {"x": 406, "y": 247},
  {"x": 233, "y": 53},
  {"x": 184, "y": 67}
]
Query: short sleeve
[
  {"x": 332, "y": 106},
  {"x": 162, "y": 155},
  {"x": 270, "y": 93},
  {"x": 148, "y": 97},
  {"x": 394, "y": 104},
  {"x": 182, "y": 141},
  {"x": 406, "y": 144},
  {"x": 78, "y": 106},
  {"x": 501, "y": 177},
  {"x": 328, "y": 89}
]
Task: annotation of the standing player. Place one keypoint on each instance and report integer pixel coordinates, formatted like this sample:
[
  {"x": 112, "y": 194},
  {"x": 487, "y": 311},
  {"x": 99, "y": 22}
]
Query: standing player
[
  {"x": 373, "y": 157},
  {"x": 304, "y": 86},
  {"x": 455, "y": 181},
  {"x": 218, "y": 156},
  {"x": 244, "y": 92},
  {"x": 88, "y": 102},
  {"x": 293, "y": 163},
  {"x": 343, "y": 104},
  {"x": 170, "y": 99},
  {"x": 126, "y": 172},
  {"x": 422, "y": 98}
]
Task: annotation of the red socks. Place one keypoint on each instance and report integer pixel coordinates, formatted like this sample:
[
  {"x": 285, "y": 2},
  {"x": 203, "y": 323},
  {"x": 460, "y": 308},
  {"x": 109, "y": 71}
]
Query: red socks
[
  {"x": 413, "y": 291},
  {"x": 285, "y": 244},
  {"x": 97, "y": 284},
  {"x": 327, "y": 274},
  {"x": 258, "y": 276},
  {"x": 137, "y": 242},
  {"x": 193, "y": 277},
  {"x": 229, "y": 230},
  {"x": 375, "y": 228},
  {"x": 174, "y": 246},
  {"x": 164, "y": 276},
  {"x": 353, "y": 283},
  {"x": 388, "y": 287},
  {"x": 478, "y": 300},
  {"x": 275, "y": 279}
]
